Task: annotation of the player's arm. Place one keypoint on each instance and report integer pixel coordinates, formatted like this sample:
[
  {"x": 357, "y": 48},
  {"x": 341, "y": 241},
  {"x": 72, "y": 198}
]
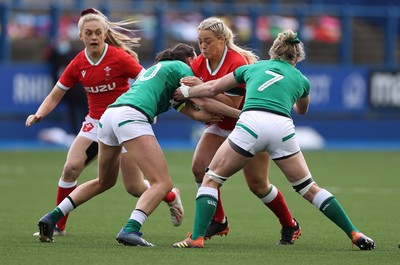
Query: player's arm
[
  {"x": 47, "y": 106},
  {"x": 233, "y": 101},
  {"x": 301, "y": 105},
  {"x": 207, "y": 89},
  {"x": 217, "y": 107},
  {"x": 202, "y": 115},
  {"x": 191, "y": 80}
]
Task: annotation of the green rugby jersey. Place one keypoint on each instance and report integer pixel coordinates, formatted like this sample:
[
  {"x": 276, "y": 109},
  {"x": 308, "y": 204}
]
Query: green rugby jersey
[
  {"x": 272, "y": 85},
  {"x": 152, "y": 92}
]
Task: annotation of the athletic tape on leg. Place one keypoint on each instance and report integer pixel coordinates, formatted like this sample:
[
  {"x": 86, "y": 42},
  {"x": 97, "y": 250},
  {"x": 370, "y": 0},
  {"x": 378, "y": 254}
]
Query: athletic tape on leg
[
  {"x": 211, "y": 174},
  {"x": 303, "y": 185}
]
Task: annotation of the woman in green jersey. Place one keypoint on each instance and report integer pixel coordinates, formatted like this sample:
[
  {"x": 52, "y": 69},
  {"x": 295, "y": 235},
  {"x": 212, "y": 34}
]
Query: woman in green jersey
[
  {"x": 273, "y": 88},
  {"x": 127, "y": 123}
]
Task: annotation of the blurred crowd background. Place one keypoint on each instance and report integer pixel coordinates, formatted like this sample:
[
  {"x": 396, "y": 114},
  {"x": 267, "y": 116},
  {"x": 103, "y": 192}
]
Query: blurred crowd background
[{"x": 352, "y": 46}]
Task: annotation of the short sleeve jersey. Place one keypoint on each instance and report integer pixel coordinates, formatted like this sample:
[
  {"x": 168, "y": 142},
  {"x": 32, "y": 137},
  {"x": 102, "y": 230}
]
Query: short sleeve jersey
[
  {"x": 152, "y": 92},
  {"x": 229, "y": 62},
  {"x": 272, "y": 85},
  {"x": 103, "y": 81}
]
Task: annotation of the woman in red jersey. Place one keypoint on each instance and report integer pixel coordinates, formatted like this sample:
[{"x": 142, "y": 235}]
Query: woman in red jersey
[
  {"x": 220, "y": 56},
  {"x": 103, "y": 68}
]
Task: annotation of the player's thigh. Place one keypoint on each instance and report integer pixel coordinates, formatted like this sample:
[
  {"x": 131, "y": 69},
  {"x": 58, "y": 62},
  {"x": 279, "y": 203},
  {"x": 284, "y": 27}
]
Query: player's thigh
[
  {"x": 132, "y": 176},
  {"x": 109, "y": 160},
  {"x": 77, "y": 153},
  {"x": 293, "y": 167},
  {"x": 129, "y": 168},
  {"x": 227, "y": 161},
  {"x": 146, "y": 152},
  {"x": 256, "y": 171},
  {"x": 205, "y": 150}
]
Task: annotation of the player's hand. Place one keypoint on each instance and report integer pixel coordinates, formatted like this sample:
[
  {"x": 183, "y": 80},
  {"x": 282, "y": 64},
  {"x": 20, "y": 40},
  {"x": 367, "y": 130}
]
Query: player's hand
[
  {"x": 32, "y": 119},
  {"x": 214, "y": 119},
  {"x": 178, "y": 96},
  {"x": 209, "y": 118},
  {"x": 191, "y": 81}
]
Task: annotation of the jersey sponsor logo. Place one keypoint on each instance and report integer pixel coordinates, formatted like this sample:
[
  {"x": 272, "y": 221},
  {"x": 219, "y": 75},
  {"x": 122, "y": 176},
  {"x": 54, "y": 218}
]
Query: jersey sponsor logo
[
  {"x": 101, "y": 88},
  {"x": 107, "y": 69},
  {"x": 87, "y": 127}
]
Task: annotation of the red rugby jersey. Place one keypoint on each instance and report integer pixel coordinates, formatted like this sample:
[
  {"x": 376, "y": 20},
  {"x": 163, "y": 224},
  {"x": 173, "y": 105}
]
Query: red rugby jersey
[
  {"x": 229, "y": 62},
  {"x": 105, "y": 80}
]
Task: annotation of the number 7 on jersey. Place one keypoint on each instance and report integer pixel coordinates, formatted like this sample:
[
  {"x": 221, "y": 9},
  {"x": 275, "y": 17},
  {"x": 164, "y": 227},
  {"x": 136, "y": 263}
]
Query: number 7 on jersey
[{"x": 275, "y": 78}]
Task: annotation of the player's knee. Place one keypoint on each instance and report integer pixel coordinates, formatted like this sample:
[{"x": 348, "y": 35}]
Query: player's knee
[
  {"x": 303, "y": 185},
  {"x": 198, "y": 172},
  {"x": 105, "y": 184},
  {"x": 71, "y": 172},
  {"x": 137, "y": 189},
  {"x": 258, "y": 189},
  {"x": 132, "y": 190}
]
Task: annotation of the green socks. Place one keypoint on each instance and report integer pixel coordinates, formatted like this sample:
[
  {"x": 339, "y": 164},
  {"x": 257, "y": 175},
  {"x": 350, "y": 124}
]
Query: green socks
[
  {"x": 205, "y": 209},
  {"x": 334, "y": 211},
  {"x": 132, "y": 226},
  {"x": 56, "y": 215}
]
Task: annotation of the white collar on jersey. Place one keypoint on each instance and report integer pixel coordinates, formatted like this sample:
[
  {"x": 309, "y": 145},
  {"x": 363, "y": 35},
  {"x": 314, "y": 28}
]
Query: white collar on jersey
[
  {"x": 221, "y": 62},
  {"x": 101, "y": 57}
]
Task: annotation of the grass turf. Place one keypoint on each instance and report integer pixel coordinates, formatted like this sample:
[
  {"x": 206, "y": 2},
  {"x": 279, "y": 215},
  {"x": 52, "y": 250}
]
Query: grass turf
[{"x": 366, "y": 183}]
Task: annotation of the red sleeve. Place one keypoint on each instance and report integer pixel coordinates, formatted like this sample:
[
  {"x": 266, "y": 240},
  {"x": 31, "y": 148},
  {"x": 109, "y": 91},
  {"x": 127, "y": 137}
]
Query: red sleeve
[
  {"x": 133, "y": 67},
  {"x": 69, "y": 78}
]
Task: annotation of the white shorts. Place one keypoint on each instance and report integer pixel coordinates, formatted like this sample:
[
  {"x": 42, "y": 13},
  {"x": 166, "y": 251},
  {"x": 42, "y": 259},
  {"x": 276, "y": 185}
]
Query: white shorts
[
  {"x": 258, "y": 131},
  {"x": 120, "y": 124},
  {"x": 89, "y": 128},
  {"x": 214, "y": 129}
]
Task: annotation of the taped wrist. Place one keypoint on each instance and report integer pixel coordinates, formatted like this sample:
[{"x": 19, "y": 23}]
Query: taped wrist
[{"x": 185, "y": 90}]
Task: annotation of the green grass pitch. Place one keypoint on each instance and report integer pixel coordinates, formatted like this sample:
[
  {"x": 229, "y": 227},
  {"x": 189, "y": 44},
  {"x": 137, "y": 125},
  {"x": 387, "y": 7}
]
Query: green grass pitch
[{"x": 366, "y": 183}]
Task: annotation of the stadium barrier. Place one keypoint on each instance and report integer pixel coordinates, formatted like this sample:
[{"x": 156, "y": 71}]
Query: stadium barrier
[{"x": 347, "y": 104}]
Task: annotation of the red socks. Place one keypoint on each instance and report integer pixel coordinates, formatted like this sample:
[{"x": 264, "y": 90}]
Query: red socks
[
  {"x": 279, "y": 207},
  {"x": 219, "y": 212},
  {"x": 61, "y": 195}
]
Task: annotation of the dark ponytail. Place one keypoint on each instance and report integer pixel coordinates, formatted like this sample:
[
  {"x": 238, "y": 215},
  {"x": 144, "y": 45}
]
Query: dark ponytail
[{"x": 180, "y": 52}]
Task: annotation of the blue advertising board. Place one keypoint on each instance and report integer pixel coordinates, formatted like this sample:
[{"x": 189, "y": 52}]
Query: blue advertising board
[
  {"x": 347, "y": 104},
  {"x": 332, "y": 89},
  {"x": 23, "y": 87},
  {"x": 337, "y": 90},
  {"x": 385, "y": 90}
]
